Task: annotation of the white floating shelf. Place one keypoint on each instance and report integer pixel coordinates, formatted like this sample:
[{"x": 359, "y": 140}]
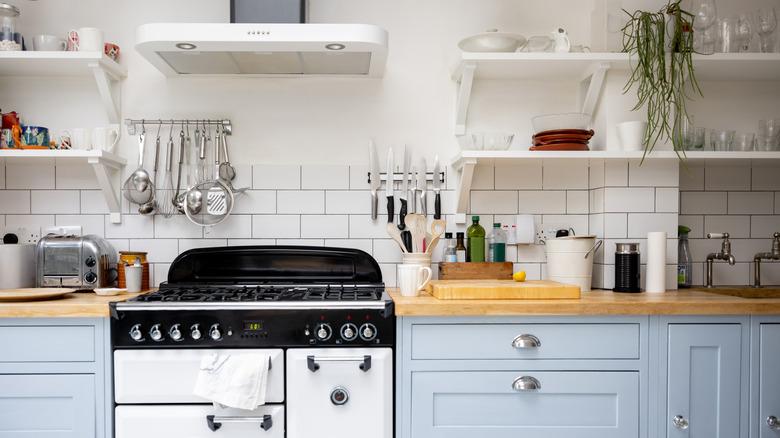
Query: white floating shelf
[
  {"x": 107, "y": 168},
  {"x": 107, "y": 73},
  {"x": 589, "y": 70}
]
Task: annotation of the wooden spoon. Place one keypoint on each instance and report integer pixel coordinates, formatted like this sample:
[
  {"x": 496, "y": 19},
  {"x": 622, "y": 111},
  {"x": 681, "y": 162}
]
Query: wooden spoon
[
  {"x": 395, "y": 233},
  {"x": 416, "y": 224},
  {"x": 438, "y": 226}
]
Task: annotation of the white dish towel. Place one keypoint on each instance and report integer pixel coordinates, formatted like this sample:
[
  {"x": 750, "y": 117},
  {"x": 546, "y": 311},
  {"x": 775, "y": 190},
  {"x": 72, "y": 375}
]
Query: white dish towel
[{"x": 233, "y": 380}]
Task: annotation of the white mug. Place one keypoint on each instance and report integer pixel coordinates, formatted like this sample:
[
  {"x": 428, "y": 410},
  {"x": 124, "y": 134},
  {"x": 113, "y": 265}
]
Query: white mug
[
  {"x": 48, "y": 43},
  {"x": 133, "y": 277},
  {"x": 413, "y": 278},
  {"x": 632, "y": 135},
  {"x": 87, "y": 39},
  {"x": 105, "y": 138},
  {"x": 80, "y": 138}
]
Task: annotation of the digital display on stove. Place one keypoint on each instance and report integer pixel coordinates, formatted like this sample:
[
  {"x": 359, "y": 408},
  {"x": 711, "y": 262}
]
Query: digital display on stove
[{"x": 253, "y": 326}]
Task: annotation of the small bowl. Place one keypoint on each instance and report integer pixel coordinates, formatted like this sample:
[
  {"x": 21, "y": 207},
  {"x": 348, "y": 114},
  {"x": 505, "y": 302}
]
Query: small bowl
[
  {"x": 552, "y": 122},
  {"x": 109, "y": 291},
  {"x": 492, "y": 141},
  {"x": 492, "y": 41}
]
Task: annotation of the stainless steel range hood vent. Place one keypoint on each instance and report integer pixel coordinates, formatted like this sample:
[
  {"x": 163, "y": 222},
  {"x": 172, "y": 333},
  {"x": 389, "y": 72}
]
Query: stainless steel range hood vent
[{"x": 264, "y": 49}]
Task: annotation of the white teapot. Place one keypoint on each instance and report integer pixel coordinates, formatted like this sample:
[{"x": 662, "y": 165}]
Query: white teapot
[{"x": 561, "y": 41}]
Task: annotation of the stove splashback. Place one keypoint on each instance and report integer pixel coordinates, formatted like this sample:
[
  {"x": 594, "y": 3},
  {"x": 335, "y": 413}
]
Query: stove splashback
[{"x": 274, "y": 264}]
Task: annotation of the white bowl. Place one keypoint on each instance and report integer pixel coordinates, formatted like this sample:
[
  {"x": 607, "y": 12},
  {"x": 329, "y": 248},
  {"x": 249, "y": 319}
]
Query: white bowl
[
  {"x": 492, "y": 41},
  {"x": 492, "y": 141},
  {"x": 109, "y": 291},
  {"x": 552, "y": 122}
]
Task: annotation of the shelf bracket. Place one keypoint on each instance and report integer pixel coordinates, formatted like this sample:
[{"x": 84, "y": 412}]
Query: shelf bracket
[
  {"x": 465, "y": 84},
  {"x": 591, "y": 86},
  {"x": 110, "y": 91},
  {"x": 107, "y": 175},
  {"x": 467, "y": 167}
]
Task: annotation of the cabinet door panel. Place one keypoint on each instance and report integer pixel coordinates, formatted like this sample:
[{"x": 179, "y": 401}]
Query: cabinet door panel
[
  {"x": 47, "y": 406},
  {"x": 484, "y": 404},
  {"x": 704, "y": 374},
  {"x": 769, "y": 378}
]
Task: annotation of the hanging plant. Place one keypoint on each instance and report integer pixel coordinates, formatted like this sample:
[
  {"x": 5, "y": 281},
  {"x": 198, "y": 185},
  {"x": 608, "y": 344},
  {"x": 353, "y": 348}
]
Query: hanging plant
[{"x": 662, "y": 72}]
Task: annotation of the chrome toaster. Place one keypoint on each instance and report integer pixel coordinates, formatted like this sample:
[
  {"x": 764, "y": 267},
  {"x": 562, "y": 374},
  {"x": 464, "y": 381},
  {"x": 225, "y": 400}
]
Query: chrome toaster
[{"x": 82, "y": 262}]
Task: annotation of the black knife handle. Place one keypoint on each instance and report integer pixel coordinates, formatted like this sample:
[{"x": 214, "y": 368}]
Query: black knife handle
[
  {"x": 390, "y": 209},
  {"x": 406, "y": 238},
  {"x": 402, "y": 215},
  {"x": 437, "y": 206}
]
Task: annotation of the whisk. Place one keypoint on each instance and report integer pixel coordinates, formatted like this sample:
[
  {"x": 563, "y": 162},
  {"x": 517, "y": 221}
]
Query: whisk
[{"x": 165, "y": 204}]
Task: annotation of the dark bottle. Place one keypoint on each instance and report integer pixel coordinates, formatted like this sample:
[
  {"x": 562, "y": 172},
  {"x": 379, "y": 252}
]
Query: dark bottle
[
  {"x": 460, "y": 247},
  {"x": 476, "y": 241}
]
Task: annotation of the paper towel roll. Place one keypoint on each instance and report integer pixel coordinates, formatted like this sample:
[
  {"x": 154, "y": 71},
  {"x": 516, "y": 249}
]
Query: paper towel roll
[
  {"x": 656, "y": 263},
  {"x": 17, "y": 266}
]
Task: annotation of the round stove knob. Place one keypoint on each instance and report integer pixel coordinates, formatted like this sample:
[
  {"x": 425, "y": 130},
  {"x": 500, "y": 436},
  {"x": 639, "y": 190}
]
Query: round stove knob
[
  {"x": 367, "y": 332},
  {"x": 195, "y": 332},
  {"x": 339, "y": 396},
  {"x": 349, "y": 332},
  {"x": 90, "y": 262},
  {"x": 324, "y": 332},
  {"x": 136, "y": 334},
  {"x": 215, "y": 333},
  {"x": 90, "y": 277},
  {"x": 155, "y": 333},
  {"x": 175, "y": 333}
]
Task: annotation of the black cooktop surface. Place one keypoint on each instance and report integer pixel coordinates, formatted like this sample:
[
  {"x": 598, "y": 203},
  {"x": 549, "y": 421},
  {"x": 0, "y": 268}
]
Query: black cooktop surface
[{"x": 211, "y": 294}]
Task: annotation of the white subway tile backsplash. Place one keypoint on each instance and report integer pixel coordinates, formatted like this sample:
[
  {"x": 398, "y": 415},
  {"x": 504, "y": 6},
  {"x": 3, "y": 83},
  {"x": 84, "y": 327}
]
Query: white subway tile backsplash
[
  {"x": 634, "y": 199},
  {"x": 55, "y": 201},
  {"x": 691, "y": 178},
  {"x": 667, "y": 200},
  {"x": 653, "y": 173},
  {"x": 255, "y": 202},
  {"x": 577, "y": 202},
  {"x": 578, "y": 222},
  {"x": 751, "y": 203},
  {"x": 188, "y": 244},
  {"x": 531, "y": 254},
  {"x": 565, "y": 175},
  {"x": 745, "y": 249},
  {"x": 366, "y": 245},
  {"x": 93, "y": 202},
  {"x": 542, "y": 202},
  {"x": 234, "y": 227},
  {"x": 90, "y": 224},
  {"x": 615, "y": 225},
  {"x": 349, "y": 202},
  {"x": 615, "y": 173},
  {"x": 133, "y": 227},
  {"x": 764, "y": 226},
  {"x": 14, "y": 201},
  {"x": 639, "y": 224},
  {"x": 596, "y": 200},
  {"x": 389, "y": 273},
  {"x": 327, "y": 177},
  {"x": 177, "y": 226},
  {"x": 159, "y": 273},
  {"x": 2, "y": 174},
  {"x": 725, "y": 275},
  {"x": 695, "y": 223},
  {"x": 157, "y": 250},
  {"x": 243, "y": 175},
  {"x": 301, "y": 242},
  {"x": 596, "y": 224},
  {"x": 358, "y": 177},
  {"x": 387, "y": 251},
  {"x": 33, "y": 223},
  {"x": 300, "y": 202},
  {"x": 276, "y": 177},
  {"x": 251, "y": 242},
  {"x": 29, "y": 176},
  {"x": 727, "y": 178},
  {"x": 362, "y": 227},
  {"x": 119, "y": 244},
  {"x": 736, "y": 226},
  {"x": 765, "y": 178},
  {"x": 703, "y": 202},
  {"x": 276, "y": 226},
  {"x": 75, "y": 176},
  {"x": 523, "y": 176},
  {"x": 770, "y": 273},
  {"x": 501, "y": 202},
  {"x": 484, "y": 178},
  {"x": 533, "y": 271},
  {"x": 325, "y": 226},
  {"x": 701, "y": 247}
]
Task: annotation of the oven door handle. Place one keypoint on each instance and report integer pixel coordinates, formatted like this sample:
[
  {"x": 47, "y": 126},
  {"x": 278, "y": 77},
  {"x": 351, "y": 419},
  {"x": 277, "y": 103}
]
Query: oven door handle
[
  {"x": 215, "y": 422},
  {"x": 313, "y": 365}
]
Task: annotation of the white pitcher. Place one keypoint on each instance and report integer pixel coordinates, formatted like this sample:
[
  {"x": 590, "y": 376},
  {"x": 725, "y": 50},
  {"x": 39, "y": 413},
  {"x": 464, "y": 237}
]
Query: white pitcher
[{"x": 562, "y": 44}]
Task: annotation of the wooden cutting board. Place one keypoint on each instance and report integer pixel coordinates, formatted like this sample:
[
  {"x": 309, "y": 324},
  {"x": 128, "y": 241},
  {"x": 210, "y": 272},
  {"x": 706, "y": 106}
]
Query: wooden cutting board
[
  {"x": 35, "y": 294},
  {"x": 502, "y": 290}
]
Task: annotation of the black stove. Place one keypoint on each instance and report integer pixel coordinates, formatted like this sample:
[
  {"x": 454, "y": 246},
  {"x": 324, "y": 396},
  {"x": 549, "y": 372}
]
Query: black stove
[{"x": 250, "y": 297}]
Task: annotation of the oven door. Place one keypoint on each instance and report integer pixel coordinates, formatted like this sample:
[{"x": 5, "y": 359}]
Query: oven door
[
  {"x": 198, "y": 421},
  {"x": 340, "y": 392}
]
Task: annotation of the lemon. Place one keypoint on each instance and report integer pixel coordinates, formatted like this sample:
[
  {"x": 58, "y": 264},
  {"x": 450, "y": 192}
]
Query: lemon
[{"x": 519, "y": 276}]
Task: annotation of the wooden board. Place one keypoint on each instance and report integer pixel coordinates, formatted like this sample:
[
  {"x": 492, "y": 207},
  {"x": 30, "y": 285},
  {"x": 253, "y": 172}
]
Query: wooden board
[
  {"x": 475, "y": 271},
  {"x": 34, "y": 294},
  {"x": 502, "y": 290}
]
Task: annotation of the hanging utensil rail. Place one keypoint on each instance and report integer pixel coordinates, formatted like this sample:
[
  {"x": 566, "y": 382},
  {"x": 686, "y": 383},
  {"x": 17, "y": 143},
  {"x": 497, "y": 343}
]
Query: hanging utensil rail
[
  {"x": 399, "y": 176},
  {"x": 134, "y": 124}
]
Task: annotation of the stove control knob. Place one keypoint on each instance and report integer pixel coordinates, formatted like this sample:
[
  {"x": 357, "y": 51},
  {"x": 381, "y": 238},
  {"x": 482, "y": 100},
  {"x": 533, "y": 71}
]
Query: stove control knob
[
  {"x": 349, "y": 332},
  {"x": 324, "y": 332},
  {"x": 195, "y": 332},
  {"x": 215, "y": 333},
  {"x": 367, "y": 332},
  {"x": 136, "y": 334},
  {"x": 155, "y": 333},
  {"x": 175, "y": 333}
]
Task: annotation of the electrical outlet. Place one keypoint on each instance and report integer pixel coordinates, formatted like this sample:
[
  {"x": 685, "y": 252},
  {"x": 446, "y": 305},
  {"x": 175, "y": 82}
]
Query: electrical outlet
[{"x": 25, "y": 235}]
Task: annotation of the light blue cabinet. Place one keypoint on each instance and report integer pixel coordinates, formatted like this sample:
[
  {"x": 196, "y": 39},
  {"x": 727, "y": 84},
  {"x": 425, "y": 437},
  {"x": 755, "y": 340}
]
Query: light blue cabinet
[
  {"x": 766, "y": 418},
  {"x": 55, "y": 378}
]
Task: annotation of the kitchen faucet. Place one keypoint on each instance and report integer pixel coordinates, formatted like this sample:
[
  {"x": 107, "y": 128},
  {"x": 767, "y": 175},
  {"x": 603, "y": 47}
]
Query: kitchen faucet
[
  {"x": 774, "y": 255},
  {"x": 724, "y": 254}
]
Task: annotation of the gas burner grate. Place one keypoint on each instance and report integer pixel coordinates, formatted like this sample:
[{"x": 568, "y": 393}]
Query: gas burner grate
[{"x": 262, "y": 293}]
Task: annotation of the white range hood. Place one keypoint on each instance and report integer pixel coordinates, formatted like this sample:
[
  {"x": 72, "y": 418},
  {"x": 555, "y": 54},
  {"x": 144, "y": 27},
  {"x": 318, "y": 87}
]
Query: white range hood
[{"x": 264, "y": 49}]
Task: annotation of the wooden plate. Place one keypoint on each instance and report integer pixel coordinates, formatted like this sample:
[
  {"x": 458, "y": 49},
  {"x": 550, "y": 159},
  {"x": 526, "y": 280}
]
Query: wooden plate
[
  {"x": 561, "y": 141},
  {"x": 561, "y": 147},
  {"x": 34, "y": 294},
  {"x": 566, "y": 131}
]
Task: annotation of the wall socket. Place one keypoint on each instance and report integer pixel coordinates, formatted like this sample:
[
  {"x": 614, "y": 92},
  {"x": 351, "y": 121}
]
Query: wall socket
[{"x": 25, "y": 235}]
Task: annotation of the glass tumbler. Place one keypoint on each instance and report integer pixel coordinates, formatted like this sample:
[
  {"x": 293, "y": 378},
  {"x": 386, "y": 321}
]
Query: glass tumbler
[
  {"x": 743, "y": 141},
  {"x": 727, "y": 36},
  {"x": 721, "y": 140}
]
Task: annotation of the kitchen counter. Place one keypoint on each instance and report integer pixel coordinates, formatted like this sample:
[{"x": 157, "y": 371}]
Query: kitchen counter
[
  {"x": 689, "y": 302},
  {"x": 79, "y": 304}
]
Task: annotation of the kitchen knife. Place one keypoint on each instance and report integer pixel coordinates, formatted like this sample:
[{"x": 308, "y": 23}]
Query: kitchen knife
[
  {"x": 406, "y": 235},
  {"x": 421, "y": 183},
  {"x": 413, "y": 200},
  {"x": 389, "y": 183},
  {"x": 374, "y": 178},
  {"x": 437, "y": 188}
]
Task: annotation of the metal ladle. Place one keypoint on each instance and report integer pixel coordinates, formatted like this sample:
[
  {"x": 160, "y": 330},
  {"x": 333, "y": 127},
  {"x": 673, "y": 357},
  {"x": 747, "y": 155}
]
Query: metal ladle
[
  {"x": 138, "y": 188},
  {"x": 151, "y": 206}
]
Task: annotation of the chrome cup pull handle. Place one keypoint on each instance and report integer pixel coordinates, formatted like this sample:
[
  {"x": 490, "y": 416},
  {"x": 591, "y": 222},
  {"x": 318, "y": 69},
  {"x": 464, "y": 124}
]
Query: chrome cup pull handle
[
  {"x": 772, "y": 422},
  {"x": 526, "y": 383},
  {"x": 526, "y": 341},
  {"x": 680, "y": 422},
  {"x": 214, "y": 422}
]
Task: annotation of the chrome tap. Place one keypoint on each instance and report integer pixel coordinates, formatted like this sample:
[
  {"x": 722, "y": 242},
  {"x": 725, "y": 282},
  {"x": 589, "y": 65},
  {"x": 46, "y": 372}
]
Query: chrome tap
[
  {"x": 773, "y": 255},
  {"x": 724, "y": 254}
]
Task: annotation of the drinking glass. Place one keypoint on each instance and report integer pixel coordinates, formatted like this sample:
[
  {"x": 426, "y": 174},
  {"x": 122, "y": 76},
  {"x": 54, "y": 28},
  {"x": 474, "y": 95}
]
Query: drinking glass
[
  {"x": 721, "y": 140},
  {"x": 743, "y": 32},
  {"x": 766, "y": 23},
  {"x": 705, "y": 34},
  {"x": 696, "y": 140},
  {"x": 727, "y": 36},
  {"x": 768, "y": 138},
  {"x": 743, "y": 141}
]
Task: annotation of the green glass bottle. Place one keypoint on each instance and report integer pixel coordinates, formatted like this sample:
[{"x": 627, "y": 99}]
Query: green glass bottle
[{"x": 476, "y": 241}]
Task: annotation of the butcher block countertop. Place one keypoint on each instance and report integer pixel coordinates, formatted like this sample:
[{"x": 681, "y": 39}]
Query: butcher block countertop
[
  {"x": 77, "y": 305},
  {"x": 689, "y": 302}
]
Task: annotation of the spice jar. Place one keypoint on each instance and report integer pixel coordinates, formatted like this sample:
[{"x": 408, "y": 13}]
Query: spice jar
[{"x": 8, "y": 16}]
